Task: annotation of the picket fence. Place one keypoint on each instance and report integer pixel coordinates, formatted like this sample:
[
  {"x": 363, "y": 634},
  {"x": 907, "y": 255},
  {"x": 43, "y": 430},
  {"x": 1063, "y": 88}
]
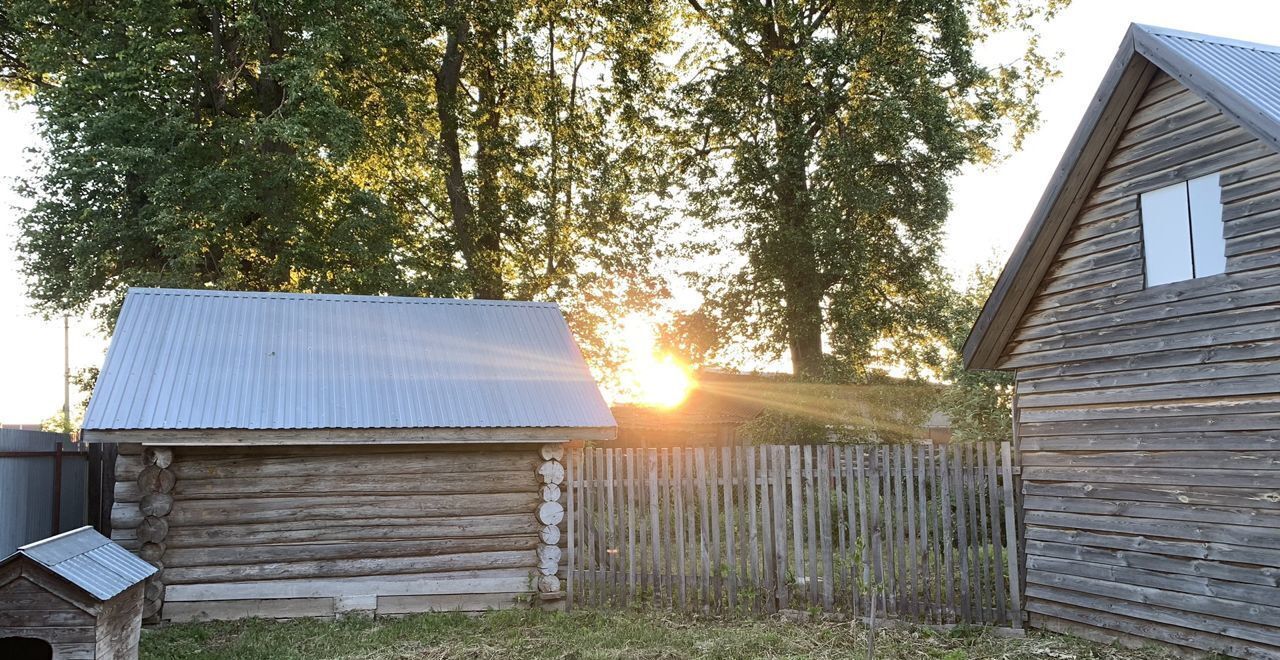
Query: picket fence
[{"x": 911, "y": 531}]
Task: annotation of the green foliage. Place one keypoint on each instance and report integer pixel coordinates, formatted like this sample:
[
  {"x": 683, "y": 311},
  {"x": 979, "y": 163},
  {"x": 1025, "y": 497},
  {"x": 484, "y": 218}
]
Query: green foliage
[
  {"x": 821, "y": 140},
  {"x": 980, "y": 403},
  {"x": 59, "y": 423},
  {"x": 299, "y": 145},
  {"x": 881, "y": 410}
]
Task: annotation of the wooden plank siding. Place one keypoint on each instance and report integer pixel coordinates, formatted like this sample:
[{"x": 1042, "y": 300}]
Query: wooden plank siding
[
  {"x": 313, "y": 531},
  {"x": 1149, "y": 419}
]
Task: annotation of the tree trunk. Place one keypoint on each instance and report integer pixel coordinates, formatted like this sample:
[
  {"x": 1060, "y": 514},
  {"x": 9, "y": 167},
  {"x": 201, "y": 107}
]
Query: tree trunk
[
  {"x": 487, "y": 229},
  {"x": 801, "y": 280}
]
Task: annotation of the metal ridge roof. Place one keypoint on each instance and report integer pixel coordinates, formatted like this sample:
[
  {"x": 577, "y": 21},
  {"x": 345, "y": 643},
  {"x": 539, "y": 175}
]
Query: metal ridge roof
[
  {"x": 198, "y": 359},
  {"x": 1241, "y": 79},
  {"x": 88, "y": 560}
]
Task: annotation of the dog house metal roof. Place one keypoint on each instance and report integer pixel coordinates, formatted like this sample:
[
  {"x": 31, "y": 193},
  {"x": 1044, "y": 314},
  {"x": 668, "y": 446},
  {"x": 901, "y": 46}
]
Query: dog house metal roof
[{"x": 88, "y": 560}]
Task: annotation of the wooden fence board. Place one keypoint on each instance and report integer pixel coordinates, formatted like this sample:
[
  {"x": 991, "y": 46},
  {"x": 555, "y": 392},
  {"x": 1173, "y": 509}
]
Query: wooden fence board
[{"x": 745, "y": 529}]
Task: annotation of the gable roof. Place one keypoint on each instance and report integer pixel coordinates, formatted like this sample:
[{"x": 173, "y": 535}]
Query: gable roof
[
  {"x": 88, "y": 560},
  {"x": 1241, "y": 79},
  {"x": 196, "y": 359}
]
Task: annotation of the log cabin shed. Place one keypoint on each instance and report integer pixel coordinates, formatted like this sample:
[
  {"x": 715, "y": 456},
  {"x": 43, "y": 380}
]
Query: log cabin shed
[
  {"x": 1141, "y": 313},
  {"x": 287, "y": 455},
  {"x": 74, "y": 596}
]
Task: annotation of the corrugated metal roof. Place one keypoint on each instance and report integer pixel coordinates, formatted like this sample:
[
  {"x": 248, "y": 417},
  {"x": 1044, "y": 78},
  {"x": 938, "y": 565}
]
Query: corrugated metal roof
[
  {"x": 1243, "y": 76},
  {"x": 88, "y": 560},
  {"x": 194, "y": 359}
]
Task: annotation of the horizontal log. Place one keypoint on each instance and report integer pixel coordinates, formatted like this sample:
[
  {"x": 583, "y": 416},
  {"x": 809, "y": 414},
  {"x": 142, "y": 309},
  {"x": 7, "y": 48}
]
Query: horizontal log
[
  {"x": 1204, "y": 337},
  {"x": 345, "y": 507},
  {"x": 365, "y": 529},
  {"x": 1108, "y": 381},
  {"x": 128, "y": 466},
  {"x": 1263, "y": 575},
  {"x": 1247, "y": 516},
  {"x": 1227, "y": 441},
  {"x": 1082, "y": 280},
  {"x": 1192, "y": 128},
  {"x": 350, "y": 567},
  {"x": 1204, "y": 293},
  {"x": 411, "y": 584},
  {"x": 189, "y": 557},
  {"x": 1164, "y": 119},
  {"x": 1163, "y": 624},
  {"x": 1245, "y": 498},
  {"x": 1166, "y": 407},
  {"x": 1253, "y": 261},
  {"x": 1246, "y": 225},
  {"x": 1098, "y": 292},
  {"x": 1222, "y": 607},
  {"x": 505, "y": 481},
  {"x": 1217, "y": 459},
  {"x": 276, "y": 462},
  {"x": 1194, "y": 549},
  {"x": 1164, "y": 580},
  {"x": 1111, "y": 232},
  {"x": 1253, "y": 537},
  {"x": 1154, "y": 425},
  {"x": 1139, "y": 330},
  {"x": 1262, "y": 479},
  {"x": 182, "y": 612},
  {"x": 400, "y": 605},
  {"x": 125, "y": 515},
  {"x": 1197, "y": 159},
  {"x": 127, "y": 491}
]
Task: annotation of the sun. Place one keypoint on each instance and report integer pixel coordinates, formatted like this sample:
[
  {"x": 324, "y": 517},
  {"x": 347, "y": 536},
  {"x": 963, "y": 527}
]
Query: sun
[{"x": 648, "y": 376}]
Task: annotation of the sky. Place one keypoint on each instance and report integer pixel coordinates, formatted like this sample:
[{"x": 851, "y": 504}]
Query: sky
[{"x": 991, "y": 204}]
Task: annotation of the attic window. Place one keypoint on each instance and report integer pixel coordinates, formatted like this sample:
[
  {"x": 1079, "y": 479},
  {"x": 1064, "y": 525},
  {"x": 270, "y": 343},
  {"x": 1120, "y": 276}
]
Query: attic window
[{"x": 1182, "y": 231}]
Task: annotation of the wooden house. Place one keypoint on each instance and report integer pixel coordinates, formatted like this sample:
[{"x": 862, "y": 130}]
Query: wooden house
[
  {"x": 289, "y": 455},
  {"x": 1141, "y": 314},
  {"x": 74, "y": 596}
]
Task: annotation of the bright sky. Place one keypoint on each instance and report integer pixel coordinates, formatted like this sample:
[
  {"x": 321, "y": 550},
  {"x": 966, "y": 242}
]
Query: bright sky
[{"x": 991, "y": 205}]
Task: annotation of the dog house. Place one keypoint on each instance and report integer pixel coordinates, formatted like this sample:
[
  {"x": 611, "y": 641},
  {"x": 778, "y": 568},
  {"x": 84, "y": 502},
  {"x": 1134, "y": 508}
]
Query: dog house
[{"x": 74, "y": 596}]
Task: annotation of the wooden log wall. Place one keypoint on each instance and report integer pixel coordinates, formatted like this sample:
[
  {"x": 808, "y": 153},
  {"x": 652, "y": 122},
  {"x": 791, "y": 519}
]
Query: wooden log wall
[
  {"x": 290, "y": 531},
  {"x": 1149, "y": 419}
]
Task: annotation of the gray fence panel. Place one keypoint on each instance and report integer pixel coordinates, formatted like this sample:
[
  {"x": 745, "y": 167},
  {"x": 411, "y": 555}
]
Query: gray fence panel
[{"x": 26, "y": 487}]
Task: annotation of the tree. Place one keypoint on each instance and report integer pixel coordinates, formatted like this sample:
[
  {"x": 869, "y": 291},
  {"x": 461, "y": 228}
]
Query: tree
[
  {"x": 470, "y": 148},
  {"x": 980, "y": 403},
  {"x": 824, "y": 136}
]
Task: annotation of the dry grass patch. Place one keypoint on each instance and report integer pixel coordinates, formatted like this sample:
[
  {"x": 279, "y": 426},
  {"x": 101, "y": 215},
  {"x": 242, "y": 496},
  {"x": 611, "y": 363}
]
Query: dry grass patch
[{"x": 593, "y": 635}]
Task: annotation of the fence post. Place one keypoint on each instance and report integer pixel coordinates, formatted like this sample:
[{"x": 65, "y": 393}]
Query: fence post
[{"x": 1011, "y": 537}]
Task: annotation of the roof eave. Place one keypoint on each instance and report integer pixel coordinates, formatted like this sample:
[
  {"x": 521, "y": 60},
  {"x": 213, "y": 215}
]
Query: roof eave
[{"x": 341, "y": 436}]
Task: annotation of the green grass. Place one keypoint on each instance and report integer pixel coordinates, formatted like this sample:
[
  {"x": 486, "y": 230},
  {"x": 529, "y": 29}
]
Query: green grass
[{"x": 526, "y": 634}]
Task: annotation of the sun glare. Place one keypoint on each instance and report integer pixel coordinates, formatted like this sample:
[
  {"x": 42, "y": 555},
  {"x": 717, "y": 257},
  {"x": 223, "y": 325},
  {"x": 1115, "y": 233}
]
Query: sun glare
[{"x": 648, "y": 376}]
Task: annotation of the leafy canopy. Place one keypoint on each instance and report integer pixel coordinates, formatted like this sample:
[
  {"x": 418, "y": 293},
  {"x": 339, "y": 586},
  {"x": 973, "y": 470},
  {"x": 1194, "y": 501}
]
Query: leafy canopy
[
  {"x": 300, "y": 145},
  {"x": 821, "y": 138}
]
